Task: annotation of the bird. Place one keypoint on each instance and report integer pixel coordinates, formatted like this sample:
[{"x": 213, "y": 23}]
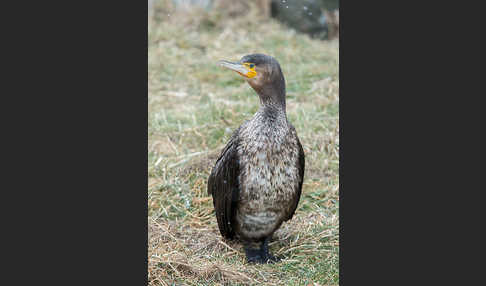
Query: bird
[{"x": 256, "y": 182}]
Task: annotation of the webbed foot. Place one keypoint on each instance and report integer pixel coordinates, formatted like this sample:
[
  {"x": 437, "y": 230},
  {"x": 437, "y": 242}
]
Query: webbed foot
[{"x": 261, "y": 255}]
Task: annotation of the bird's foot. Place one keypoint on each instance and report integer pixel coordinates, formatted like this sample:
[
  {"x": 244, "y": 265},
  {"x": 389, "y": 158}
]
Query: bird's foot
[
  {"x": 257, "y": 256},
  {"x": 254, "y": 256}
]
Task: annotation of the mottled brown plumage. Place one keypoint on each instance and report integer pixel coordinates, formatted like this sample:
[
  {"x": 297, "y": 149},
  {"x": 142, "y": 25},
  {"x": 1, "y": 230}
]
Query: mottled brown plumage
[{"x": 257, "y": 181}]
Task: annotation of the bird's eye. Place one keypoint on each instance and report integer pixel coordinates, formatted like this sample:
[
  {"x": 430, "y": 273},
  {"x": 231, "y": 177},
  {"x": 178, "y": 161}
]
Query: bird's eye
[{"x": 252, "y": 66}]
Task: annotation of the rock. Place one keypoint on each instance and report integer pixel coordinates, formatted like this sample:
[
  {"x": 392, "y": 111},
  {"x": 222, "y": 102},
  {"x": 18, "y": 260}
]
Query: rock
[
  {"x": 306, "y": 16},
  {"x": 329, "y": 5}
]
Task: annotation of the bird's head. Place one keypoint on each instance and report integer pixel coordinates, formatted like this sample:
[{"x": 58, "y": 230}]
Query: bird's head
[{"x": 263, "y": 74}]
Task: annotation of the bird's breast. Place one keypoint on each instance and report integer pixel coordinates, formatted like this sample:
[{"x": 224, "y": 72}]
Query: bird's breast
[{"x": 267, "y": 180}]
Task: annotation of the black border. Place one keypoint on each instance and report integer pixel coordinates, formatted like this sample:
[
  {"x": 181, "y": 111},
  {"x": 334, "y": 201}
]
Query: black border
[
  {"x": 405, "y": 89},
  {"x": 78, "y": 155}
]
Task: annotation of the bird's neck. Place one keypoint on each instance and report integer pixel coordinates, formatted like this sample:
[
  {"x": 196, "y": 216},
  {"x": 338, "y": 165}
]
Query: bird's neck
[
  {"x": 273, "y": 111},
  {"x": 273, "y": 105},
  {"x": 272, "y": 99}
]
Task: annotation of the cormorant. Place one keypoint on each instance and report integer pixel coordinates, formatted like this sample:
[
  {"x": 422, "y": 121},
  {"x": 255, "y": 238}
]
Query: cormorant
[{"x": 257, "y": 180}]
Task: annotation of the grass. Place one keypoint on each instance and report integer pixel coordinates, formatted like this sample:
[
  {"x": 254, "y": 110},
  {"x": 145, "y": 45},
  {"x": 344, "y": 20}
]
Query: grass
[{"x": 193, "y": 107}]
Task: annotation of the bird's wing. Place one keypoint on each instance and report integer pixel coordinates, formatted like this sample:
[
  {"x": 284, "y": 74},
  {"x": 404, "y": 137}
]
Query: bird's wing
[
  {"x": 223, "y": 186},
  {"x": 300, "y": 177}
]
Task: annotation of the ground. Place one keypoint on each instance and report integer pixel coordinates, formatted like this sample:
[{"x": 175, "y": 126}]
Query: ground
[{"x": 193, "y": 106}]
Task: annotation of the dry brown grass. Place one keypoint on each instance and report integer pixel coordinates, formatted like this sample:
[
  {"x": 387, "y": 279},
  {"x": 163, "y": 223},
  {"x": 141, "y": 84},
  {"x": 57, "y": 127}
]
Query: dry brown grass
[
  {"x": 192, "y": 249},
  {"x": 193, "y": 108}
]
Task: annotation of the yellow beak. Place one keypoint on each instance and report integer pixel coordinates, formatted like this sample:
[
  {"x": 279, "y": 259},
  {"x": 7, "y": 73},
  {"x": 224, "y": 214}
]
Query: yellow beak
[{"x": 239, "y": 68}]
